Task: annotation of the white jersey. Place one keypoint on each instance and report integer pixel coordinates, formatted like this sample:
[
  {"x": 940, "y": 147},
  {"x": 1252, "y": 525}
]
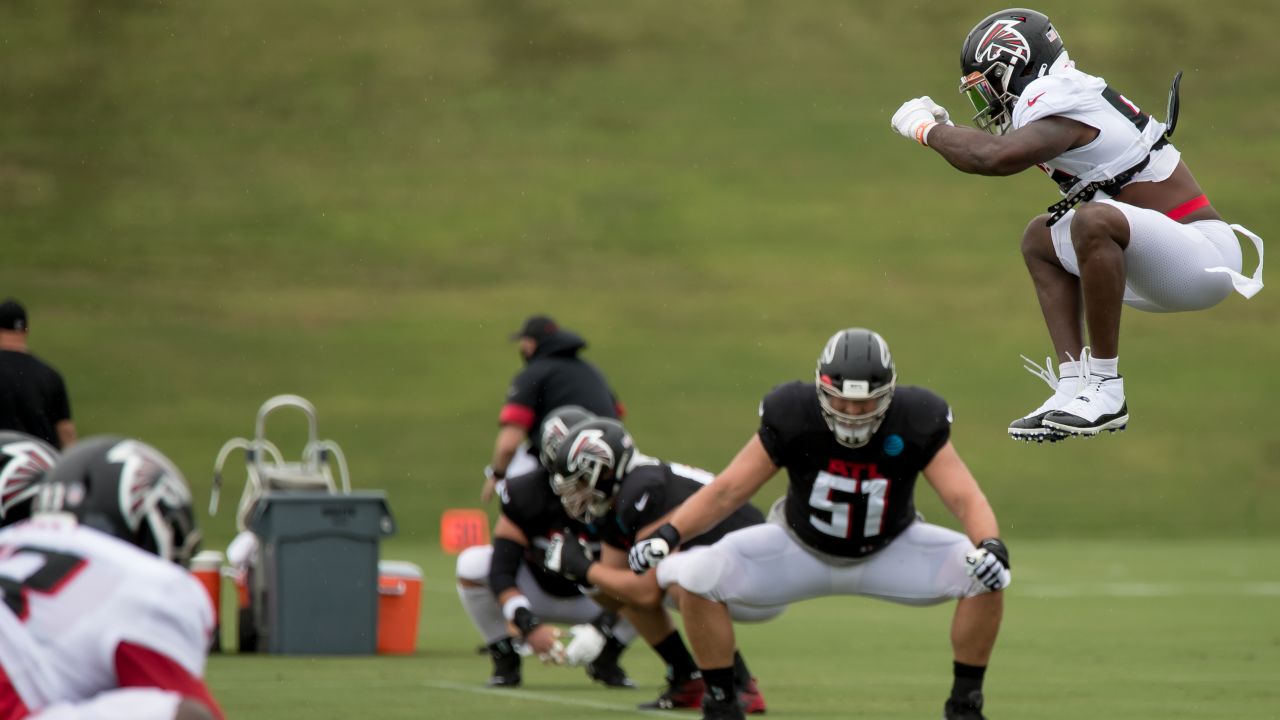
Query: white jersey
[
  {"x": 1125, "y": 133},
  {"x": 74, "y": 597}
]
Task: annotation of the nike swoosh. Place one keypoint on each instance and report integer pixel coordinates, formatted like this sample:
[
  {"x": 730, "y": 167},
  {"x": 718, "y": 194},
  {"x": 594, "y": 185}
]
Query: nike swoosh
[
  {"x": 1033, "y": 100},
  {"x": 644, "y": 500}
]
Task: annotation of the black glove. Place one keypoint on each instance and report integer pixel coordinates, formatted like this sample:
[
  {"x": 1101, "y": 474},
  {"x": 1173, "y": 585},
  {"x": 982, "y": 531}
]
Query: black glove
[
  {"x": 652, "y": 549},
  {"x": 569, "y": 557}
]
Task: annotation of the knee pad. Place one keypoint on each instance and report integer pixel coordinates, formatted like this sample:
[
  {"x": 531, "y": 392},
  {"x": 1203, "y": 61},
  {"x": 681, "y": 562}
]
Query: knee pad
[
  {"x": 473, "y": 563},
  {"x": 700, "y": 570}
]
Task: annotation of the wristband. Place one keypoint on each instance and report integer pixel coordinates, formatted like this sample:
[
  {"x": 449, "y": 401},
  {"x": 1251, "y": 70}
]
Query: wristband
[
  {"x": 525, "y": 621},
  {"x": 510, "y": 607},
  {"x": 922, "y": 132},
  {"x": 669, "y": 533},
  {"x": 996, "y": 547},
  {"x": 493, "y": 474}
]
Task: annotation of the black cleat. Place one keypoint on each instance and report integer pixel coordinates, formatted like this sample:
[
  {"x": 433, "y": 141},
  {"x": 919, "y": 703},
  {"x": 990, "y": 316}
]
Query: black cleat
[
  {"x": 685, "y": 694},
  {"x": 610, "y": 674},
  {"x": 726, "y": 709},
  {"x": 967, "y": 708},
  {"x": 506, "y": 665}
]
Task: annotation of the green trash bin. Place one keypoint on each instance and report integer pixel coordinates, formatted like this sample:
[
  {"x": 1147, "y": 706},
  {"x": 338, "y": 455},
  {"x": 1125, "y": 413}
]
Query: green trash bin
[{"x": 315, "y": 585}]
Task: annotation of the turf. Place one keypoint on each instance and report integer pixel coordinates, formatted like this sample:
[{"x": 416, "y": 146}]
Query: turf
[
  {"x": 1136, "y": 630},
  {"x": 207, "y": 204}
]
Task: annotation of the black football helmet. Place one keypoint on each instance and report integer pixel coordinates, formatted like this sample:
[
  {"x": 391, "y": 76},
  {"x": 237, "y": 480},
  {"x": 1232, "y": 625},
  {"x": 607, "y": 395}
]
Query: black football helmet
[
  {"x": 1000, "y": 57},
  {"x": 855, "y": 365},
  {"x": 24, "y": 461},
  {"x": 125, "y": 488},
  {"x": 590, "y": 464},
  {"x": 554, "y": 428}
]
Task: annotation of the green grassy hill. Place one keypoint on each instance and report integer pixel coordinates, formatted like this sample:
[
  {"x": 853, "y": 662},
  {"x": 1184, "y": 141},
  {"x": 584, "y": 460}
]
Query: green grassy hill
[{"x": 206, "y": 204}]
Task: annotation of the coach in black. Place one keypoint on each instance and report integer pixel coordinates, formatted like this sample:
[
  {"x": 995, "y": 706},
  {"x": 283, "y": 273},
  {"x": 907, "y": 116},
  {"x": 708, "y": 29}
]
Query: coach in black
[
  {"x": 553, "y": 376},
  {"x": 33, "y": 398}
]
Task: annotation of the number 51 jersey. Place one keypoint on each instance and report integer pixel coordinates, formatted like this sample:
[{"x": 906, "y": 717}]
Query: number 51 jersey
[
  {"x": 85, "y": 613},
  {"x": 843, "y": 501}
]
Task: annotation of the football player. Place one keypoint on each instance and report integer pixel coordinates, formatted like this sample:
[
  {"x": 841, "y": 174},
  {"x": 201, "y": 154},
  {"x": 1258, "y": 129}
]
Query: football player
[
  {"x": 100, "y": 617},
  {"x": 604, "y": 482},
  {"x": 1133, "y": 228},
  {"x": 852, "y": 442},
  {"x": 504, "y": 583},
  {"x": 24, "y": 460}
]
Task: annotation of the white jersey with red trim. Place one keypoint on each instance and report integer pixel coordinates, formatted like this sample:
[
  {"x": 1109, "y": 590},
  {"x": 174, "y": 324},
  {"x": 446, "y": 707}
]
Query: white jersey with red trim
[
  {"x": 74, "y": 597},
  {"x": 1125, "y": 133}
]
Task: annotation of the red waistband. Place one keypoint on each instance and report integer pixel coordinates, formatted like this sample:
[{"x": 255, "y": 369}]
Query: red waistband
[{"x": 1188, "y": 207}]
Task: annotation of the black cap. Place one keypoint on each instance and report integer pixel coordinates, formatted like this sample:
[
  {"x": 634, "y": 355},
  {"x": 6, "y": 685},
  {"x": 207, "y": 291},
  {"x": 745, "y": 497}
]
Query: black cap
[
  {"x": 537, "y": 327},
  {"x": 12, "y": 315}
]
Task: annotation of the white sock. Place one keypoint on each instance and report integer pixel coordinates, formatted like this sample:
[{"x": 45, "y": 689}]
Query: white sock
[
  {"x": 485, "y": 614},
  {"x": 1069, "y": 369},
  {"x": 1106, "y": 367}
]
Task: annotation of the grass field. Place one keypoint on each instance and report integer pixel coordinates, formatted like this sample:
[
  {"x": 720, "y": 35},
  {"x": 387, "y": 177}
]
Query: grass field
[
  {"x": 207, "y": 204},
  {"x": 1135, "y": 630}
]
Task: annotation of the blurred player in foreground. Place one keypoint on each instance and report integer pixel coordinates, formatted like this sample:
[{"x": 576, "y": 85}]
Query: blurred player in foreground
[{"x": 100, "y": 619}]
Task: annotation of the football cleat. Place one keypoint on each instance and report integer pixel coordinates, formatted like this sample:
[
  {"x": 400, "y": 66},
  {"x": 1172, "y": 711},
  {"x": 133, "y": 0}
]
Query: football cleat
[
  {"x": 506, "y": 665},
  {"x": 1099, "y": 407},
  {"x": 680, "y": 695},
  {"x": 751, "y": 700},
  {"x": 610, "y": 674},
  {"x": 967, "y": 708},
  {"x": 726, "y": 709},
  {"x": 1030, "y": 427}
]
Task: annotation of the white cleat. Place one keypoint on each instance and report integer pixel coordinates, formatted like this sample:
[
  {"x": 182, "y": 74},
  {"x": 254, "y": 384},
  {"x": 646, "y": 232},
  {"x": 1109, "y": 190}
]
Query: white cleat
[
  {"x": 1031, "y": 427},
  {"x": 1099, "y": 407}
]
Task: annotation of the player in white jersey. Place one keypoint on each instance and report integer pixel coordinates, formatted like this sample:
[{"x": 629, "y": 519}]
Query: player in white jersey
[
  {"x": 1133, "y": 228},
  {"x": 100, "y": 619}
]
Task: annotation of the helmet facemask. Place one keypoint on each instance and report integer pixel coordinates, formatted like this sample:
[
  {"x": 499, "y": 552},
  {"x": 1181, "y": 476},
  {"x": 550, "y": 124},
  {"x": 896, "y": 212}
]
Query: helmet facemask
[
  {"x": 854, "y": 429},
  {"x": 589, "y": 467},
  {"x": 991, "y": 100}
]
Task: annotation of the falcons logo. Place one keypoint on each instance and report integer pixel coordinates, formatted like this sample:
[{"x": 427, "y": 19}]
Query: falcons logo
[
  {"x": 1002, "y": 38},
  {"x": 28, "y": 461},
  {"x": 146, "y": 480},
  {"x": 589, "y": 451}
]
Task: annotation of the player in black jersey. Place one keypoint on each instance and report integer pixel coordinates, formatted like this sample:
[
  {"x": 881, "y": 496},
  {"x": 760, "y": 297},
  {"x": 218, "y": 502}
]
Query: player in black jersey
[
  {"x": 852, "y": 449},
  {"x": 504, "y": 582},
  {"x": 605, "y": 482}
]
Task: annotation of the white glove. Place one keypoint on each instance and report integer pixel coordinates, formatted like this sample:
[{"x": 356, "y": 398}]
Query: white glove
[
  {"x": 650, "y": 551},
  {"x": 939, "y": 113},
  {"x": 586, "y": 645},
  {"x": 989, "y": 569},
  {"x": 915, "y": 119},
  {"x": 647, "y": 553}
]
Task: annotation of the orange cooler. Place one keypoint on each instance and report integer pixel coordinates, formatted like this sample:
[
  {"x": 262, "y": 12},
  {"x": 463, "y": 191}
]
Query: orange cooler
[
  {"x": 399, "y": 601},
  {"x": 206, "y": 566}
]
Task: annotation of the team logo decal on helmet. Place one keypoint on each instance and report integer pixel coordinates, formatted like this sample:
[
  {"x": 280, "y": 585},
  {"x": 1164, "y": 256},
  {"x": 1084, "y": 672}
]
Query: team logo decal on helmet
[
  {"x": 590, "y": 465},
  {"x": 24, "y": 460},
  {"x": 125, "y": 488},
  {"x": 1002, "y": 38}
]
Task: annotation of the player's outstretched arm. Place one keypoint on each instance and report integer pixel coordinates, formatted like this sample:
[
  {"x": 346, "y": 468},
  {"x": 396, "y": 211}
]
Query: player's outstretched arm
[
  {"x": 979, "y": 153},
  {"x": 959, "y": 491},
  {"x": 730, "y": 490}
]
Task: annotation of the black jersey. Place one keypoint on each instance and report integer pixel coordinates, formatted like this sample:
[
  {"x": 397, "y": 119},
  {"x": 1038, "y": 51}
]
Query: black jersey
[
  {"x": 33, "y": 398},
  {"x": 844, "y": 501},
  {"x": 651, "y": 491},
  {"x": 556, "y": 376},
  {"x": 529, "y": 503}
]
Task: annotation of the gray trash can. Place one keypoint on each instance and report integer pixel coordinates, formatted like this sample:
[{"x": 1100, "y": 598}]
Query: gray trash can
[{"x": 315, "y": 587}]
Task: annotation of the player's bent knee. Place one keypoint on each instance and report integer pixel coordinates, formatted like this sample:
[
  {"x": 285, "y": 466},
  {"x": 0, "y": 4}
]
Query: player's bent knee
[
  {"x": 473, "y": 564},
  {"x": 1093, "y": 220},
  {"x": 702, "y": 569},
  {"x": 1037, "y": 239}
]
